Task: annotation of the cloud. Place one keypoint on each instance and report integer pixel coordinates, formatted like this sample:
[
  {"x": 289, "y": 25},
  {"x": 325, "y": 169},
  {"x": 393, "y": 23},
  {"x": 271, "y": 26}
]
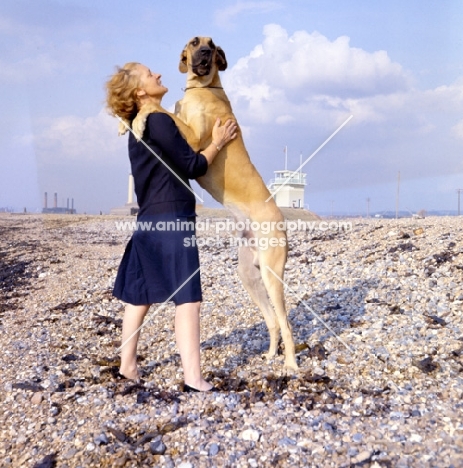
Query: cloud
[
  {"x": 457, "y": 130},
  {"x": 86, "y": 140},
  {"x": 288, "y": 79},
  {"x": 313, "y": 62},
  {"x": 82, "y": 158},
  {"x": 39, "y": 66},
  {"x": 39, "y": 40},
  {"x": 224, "y": 18},
  {"x": 306, "y": 73},
  {"x": 65, "y": 58},
  {"x": 296, "y": 89}
]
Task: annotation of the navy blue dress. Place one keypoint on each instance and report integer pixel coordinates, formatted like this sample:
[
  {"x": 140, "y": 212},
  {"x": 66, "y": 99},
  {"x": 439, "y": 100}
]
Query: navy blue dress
[{"x": 160, "y": 261}]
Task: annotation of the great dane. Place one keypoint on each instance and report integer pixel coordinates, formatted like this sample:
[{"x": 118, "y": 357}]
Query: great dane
[{"x": 233, "y": 181}]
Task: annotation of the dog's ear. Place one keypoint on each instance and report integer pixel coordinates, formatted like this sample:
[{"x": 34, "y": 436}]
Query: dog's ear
[
  {"x": 182, "y": 65},
  {"x": 221, "y": 60}
]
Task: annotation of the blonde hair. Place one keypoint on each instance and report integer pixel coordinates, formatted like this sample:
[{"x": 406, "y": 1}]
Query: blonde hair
[{"x": 121, "y": 89}]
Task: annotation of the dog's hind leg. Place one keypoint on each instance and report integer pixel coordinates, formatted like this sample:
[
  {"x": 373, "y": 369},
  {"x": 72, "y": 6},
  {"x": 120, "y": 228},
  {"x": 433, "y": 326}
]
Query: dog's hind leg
[
  {"x": 251, "y": 278},
  {"x": 272, "y": 265}
]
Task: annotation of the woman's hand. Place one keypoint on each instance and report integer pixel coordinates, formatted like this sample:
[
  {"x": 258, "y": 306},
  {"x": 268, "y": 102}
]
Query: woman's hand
[{"x": 221, "y": 135}]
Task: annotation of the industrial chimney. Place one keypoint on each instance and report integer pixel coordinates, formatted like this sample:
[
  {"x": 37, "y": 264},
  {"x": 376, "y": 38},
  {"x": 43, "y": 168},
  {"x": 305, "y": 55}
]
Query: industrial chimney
[
  {"x": 45, "y": 200},
  {"x": 56, "y": 200}
]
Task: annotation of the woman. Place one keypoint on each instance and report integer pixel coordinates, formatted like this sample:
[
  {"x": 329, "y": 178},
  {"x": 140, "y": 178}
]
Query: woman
[{"x": 156, "y": 265}]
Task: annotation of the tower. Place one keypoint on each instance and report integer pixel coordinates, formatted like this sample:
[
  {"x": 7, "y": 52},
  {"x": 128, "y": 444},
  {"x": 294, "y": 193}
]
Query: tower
[
  {"x": 288, "y": 187},
  {"x": 131, "y": 207}
]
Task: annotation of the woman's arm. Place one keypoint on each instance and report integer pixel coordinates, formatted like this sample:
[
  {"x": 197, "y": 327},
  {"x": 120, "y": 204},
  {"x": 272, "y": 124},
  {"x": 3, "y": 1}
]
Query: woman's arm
[
  {"x": 163, "y": 129},
  {"x": 166, "y": 135}
]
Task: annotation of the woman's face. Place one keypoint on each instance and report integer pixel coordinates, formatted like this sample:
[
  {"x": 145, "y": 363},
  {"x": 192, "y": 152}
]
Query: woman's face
[{"x": 151, "y": 82}]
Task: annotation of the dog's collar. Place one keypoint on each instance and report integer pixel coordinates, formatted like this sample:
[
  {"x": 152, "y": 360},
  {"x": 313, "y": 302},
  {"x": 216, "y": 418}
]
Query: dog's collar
[{"x": 200, "y": 87}]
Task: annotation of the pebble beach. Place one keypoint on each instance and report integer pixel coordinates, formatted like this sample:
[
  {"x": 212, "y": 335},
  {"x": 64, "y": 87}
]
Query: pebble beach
[{"x": 376, "y": 309}]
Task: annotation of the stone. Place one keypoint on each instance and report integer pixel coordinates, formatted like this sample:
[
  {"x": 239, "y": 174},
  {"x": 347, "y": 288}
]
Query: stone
[
  {"x": 21, "y": 439},
  {"x": 157, "y": 446},
  {"x": 213, "y": 450},
  {"x": 70, "y": 453},
  {"x": 415, "y": 438},
  {"x": 37, "y": 398},
  {"x": 362, "y": 457},
  {"x": 286, "y": 441},
  {"x": 250, "y": 434},
  {"x": 101, "y": 439}
]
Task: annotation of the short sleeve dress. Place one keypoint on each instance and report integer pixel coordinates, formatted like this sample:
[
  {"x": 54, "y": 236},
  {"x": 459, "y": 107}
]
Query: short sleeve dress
[{"x": 161, "y": 261}]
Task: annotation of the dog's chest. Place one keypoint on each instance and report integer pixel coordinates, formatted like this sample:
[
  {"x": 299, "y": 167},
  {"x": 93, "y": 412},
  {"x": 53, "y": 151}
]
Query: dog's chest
[{"x": 199, "y": 109}]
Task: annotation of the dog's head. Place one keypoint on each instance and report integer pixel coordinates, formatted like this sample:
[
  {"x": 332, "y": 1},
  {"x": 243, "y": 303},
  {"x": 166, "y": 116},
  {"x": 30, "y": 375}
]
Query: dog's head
[{"x": 202, "y": 57}]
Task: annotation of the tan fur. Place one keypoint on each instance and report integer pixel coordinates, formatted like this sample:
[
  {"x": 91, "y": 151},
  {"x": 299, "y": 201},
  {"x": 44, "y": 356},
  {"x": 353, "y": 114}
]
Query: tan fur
[
  {"x": 139, "y": 123},
  {"x": 233, "y": 180}
]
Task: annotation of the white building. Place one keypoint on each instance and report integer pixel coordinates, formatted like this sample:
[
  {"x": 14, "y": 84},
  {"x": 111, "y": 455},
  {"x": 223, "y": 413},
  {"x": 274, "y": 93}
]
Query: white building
[
  {"x": 287, "y": 188},
  {"x": 131, "y": 207}
]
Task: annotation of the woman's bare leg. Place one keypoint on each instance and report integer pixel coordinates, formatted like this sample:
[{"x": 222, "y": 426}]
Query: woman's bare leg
[
  {"x": 187, "y": 334},
  {"x": 133, "y": 320}
]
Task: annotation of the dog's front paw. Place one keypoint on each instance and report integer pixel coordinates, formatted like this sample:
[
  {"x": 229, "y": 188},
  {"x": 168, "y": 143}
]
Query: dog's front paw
[
  {"x": 138, "y": 125},
  {"x": 123, "y": 127},
  {"x": 139, "y": 122}
]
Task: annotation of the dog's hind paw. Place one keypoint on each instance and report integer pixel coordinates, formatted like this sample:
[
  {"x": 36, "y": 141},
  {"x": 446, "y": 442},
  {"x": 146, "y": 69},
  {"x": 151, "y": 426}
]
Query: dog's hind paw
[
  {"x": 268, "y": 356},
  {"x": 291, "y": 367}
]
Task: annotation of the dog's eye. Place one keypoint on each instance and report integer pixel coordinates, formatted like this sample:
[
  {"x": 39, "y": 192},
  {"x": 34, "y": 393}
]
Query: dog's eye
[{"x": 195, "y": 42}]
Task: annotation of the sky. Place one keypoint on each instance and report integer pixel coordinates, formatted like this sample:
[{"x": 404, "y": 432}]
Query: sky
[{"x": 297, "y": 70}]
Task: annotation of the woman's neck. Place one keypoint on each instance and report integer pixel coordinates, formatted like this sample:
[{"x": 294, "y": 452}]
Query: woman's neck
[{"x": 149, "y": 101}]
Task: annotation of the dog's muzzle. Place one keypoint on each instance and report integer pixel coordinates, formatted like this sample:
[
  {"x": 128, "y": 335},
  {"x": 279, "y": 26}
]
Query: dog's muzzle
[{"x": 202, "y": 61}]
